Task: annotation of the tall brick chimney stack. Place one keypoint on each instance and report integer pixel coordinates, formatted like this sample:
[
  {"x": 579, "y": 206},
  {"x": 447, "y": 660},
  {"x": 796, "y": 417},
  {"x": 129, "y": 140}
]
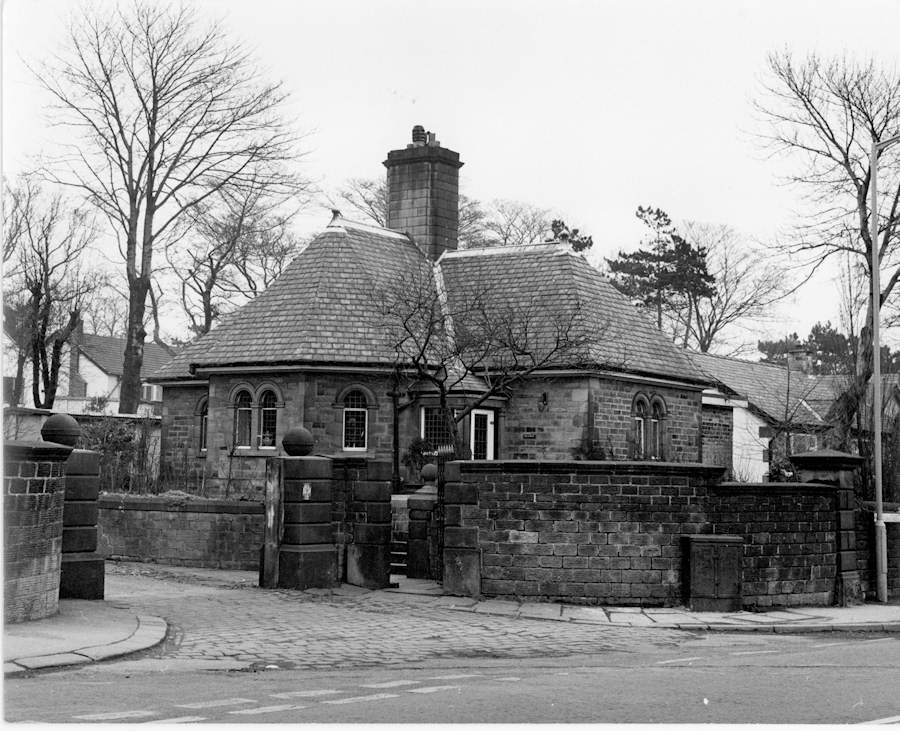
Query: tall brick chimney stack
[
  {"x": 423, "y": 193},
  {"x": 800, "y": 358}
]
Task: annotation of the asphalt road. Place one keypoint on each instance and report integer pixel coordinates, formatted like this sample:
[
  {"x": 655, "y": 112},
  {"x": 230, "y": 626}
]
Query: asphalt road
[{"x": 714, "y": 678}]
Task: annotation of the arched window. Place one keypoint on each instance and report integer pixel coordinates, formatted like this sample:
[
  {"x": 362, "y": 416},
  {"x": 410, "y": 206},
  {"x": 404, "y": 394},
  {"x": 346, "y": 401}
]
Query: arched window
[
  {"x": 243, "y": 418},
  {"x": 268, "y": 418},
  {"x": 640, "y": 409},
  {"x": 655, "y": 441},
  {"x": 203, "y": 417},
  {"x": 356, "y": 419}
]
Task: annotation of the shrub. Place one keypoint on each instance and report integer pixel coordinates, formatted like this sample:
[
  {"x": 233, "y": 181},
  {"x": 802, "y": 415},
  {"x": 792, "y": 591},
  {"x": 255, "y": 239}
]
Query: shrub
[{"x": 128, "y": 454}]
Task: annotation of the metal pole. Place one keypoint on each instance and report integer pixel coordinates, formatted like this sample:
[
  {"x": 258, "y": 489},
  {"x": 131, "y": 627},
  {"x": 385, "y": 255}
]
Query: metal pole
[{"x": 880, "y": 531}]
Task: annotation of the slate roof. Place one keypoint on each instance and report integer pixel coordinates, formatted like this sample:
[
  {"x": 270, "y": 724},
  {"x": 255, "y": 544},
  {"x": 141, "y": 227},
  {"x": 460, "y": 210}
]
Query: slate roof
[
  {"x": 108, "y": 353},
  {"x": 770, "y": 388},
  {"x": 325, "y": 307},
  {"x": 553, "y": 285},
  {"x": 322, "y": 309}
]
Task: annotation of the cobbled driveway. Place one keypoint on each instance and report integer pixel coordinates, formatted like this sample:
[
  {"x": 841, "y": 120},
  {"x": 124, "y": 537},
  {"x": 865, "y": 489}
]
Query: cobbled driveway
[{"x": 211, "y": 619}]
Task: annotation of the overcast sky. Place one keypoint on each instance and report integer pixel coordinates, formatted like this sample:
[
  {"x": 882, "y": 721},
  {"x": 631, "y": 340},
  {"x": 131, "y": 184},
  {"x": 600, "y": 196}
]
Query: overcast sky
[{"x": 587, "y": 108}]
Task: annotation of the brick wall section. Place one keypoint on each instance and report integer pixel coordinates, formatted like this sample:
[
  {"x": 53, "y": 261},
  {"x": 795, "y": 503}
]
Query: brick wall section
[
  {"x": 591, "y": 532},
  {"x": 865, "y": 549},
  {"x": 180, "y": 456},
  {"x": 34, "y": 488},
  {"x": 789, "y": 532},
  {"x": 201, "y": 533},
  {"x": 716, "y": 436},
  {"x": 592, "y": 412}
]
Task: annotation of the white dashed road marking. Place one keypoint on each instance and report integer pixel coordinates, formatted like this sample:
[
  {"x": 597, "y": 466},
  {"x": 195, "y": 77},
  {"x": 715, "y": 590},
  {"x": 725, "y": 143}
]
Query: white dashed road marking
[
  {"x": 364, "y": 698},
  {"x": 510, "y": 679},
  {"x": 303, "y": 693},
  {"x": 266, "y": 709},
  {"x": 456, "y": 677},
  {"x": 433, "y": 688},
  {"x": 180, "y": 719},
  {"x": 680, "y": 659},
  {"x": 880, "y": 639},
  {"x": 216, "y": 704},
  {"x": 391, "y": 684},
  {"x": 829, "y": 644},
  {"x": 891, "y": 719},
  {"x": 115, "y": 715},
  {"x": 757, "y": 652}
]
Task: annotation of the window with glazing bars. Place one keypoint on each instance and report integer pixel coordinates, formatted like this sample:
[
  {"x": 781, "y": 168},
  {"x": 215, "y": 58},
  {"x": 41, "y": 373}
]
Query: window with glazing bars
[
  {"x": 356, "y": 416},
  {"x": 268, "y": 418}
]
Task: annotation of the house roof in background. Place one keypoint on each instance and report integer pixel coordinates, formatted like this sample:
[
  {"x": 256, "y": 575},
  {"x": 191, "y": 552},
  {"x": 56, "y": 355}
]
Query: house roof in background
[
  {"x": 773, "y": 389},
  {"x": 108, "y": 353}
]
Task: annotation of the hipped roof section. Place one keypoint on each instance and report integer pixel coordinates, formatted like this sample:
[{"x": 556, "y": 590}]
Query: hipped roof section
[{"x": 328, "y": 306}]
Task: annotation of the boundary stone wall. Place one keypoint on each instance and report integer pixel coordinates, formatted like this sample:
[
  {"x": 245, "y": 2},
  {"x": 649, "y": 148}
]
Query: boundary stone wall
[
  {"x": 591, "y": 532},
  {"x": 225, "y": 534},
  {"x": 34, "y": 489},
  {"x": 790, "y": 540}
]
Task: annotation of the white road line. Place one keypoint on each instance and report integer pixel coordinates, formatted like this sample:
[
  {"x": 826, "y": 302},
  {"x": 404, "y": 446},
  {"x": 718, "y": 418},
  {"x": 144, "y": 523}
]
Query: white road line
[
  {"x": 391, "y": 684},
  {"x": 363, "y": 698},
  {"x": 829, "y": 644},
  {"x": 510, "y": 679},
  {"x": 891, "y": 719},
  {"x": 881, "y": 639},
  {"x": 216, "y": 704},
  {"x": 455, "y": 677},
  {"x": 180, "y": 719},
  {"x": 433, "y": 689},
  {"x": 115, "y": 715},
  {"x": 680, "y": 659},
  {"x": 266, "y": 709},
  {"x": 303, "y": 693},
  {"x": 756, "y": 652}
]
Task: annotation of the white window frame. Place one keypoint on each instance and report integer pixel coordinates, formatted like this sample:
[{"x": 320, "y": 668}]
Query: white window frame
[
  {"x": 365, "y": 411},
  {"x": 259, "y": 421},
  {"x": 489, "y": 413}
]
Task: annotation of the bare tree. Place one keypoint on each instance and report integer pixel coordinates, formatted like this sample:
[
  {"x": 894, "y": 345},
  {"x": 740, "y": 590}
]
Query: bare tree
[
  {"x": 827, "y": 113},
  {"x": 746, "y": 285},
  {"x": 162, "y": 113},
  {"x": 444, "y": 340},
  {"x": 105, "y": 312},
  {"x": 239, "y": 243},
  {"x": 45, "y": 283},
  {"x": 514, "y": 223}
]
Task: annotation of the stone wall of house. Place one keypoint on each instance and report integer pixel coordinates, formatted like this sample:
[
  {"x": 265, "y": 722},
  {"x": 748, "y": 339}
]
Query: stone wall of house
[
  {"x": 591, "y": 418},
  {"x": 789, "y": 531},
  {"x": 305, "y": 399},
  {"x": 181, "y": 460},
  {"x": 594, "y": 532},
  {"x": 225, "y": 534},
  {"x": 33, "y": 495},
  {"x": 716, "y": 436}
]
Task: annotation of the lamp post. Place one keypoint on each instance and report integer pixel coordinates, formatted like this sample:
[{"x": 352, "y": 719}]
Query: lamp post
[{"x": 880, "y": 531}]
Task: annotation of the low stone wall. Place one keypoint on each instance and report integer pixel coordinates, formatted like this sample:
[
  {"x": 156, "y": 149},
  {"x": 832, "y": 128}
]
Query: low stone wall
[
  {"x": 865, "y": 549},
  {"x": 592, "y": 532},
  {"x": 181, "y": 531},
  {"x": 34, "y": 488},
  {"x": 789, "y": 532}
]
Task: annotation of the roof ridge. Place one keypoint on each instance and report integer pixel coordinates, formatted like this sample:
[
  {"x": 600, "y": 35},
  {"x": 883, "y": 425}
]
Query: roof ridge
[
  {"x": 731, "y": 358},
  {"x": 338, "y": 222},
  {"x": 549, "y": 247}
]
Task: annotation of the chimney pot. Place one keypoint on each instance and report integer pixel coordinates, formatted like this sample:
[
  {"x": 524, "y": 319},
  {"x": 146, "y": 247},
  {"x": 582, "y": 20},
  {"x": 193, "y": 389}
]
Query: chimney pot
[{"x": 418, "y": 135}]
